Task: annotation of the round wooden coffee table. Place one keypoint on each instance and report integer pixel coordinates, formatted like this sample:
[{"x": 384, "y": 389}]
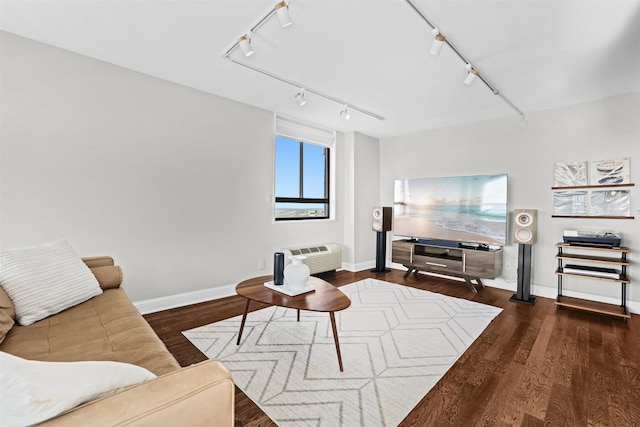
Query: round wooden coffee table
[{"x": 325, "y": 298}]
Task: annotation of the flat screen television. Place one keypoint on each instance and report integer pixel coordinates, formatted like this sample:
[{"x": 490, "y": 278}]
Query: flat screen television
[{"x": 464, "y": 209}]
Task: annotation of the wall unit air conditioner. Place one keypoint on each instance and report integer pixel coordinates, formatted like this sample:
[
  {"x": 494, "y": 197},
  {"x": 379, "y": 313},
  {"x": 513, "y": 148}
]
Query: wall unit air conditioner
[{"x": 320, "y": 258}]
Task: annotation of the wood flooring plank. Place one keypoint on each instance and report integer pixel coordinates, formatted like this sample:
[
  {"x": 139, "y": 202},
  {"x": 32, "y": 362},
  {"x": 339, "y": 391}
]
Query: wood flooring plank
[
  {"x": 531, "y": 421},
  {"x": 559, "y": 411},
  {"x": 598, "y": 401},
  {"x": 527, "y": 341},
  {"x": 505, "y": 406},
  {"x": 617, "y": 388},
  {"x": 628, "y": 339},
  {"x": 507, "y": 353},
  {"x": 564, "y": 351},
  {"x": 535, "y": 386},
  {"x": 582, "y": 345},
  {"x": 473, "y": 400},
  {"x": 598, "y": 412},
  {"x": 532, "y": 366},
  {"x": 580, "y": 387},
  {"x": 501, "y": 406}
]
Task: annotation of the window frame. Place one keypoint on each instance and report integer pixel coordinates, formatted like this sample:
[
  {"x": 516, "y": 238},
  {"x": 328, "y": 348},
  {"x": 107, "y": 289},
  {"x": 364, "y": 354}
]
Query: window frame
[{"x": 301, "y": 199}]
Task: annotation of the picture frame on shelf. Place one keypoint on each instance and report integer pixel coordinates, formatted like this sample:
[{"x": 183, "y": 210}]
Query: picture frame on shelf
[
  {"x": 609, "y": 172},
  {"x": 570, "y": 203},
  {"x": 572, "y": 174},
  {"x": 609, "y": 203}
]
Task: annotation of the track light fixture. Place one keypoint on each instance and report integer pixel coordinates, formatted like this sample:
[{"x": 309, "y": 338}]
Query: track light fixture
[
  {"x": 300, "y": 97},
  {"x": 245, "y": 44},
  {"x": 345, "y": 113},
  {"x": 438, "y": 41},
  {"x": 282, "y": 10},
  {"x": 472, "y": 74}
]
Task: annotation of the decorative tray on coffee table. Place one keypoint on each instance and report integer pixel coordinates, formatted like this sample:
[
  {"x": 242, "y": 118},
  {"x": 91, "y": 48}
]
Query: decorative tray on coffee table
[{"x": 287, "y": 290}]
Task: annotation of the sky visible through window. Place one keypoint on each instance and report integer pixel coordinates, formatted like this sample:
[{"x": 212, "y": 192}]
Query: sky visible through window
[{"x": 287, "y": 179}]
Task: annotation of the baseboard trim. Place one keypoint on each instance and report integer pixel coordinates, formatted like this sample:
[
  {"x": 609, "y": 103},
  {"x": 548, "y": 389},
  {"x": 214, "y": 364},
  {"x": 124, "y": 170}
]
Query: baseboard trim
[
  {"x": 359, "y": 266},
  {"x": 187, "y": 298}
]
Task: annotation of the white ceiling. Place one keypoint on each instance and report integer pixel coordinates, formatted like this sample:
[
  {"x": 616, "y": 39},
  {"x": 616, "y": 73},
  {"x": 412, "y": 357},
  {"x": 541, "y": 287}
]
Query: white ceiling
[{"x": 373, "y": 54}]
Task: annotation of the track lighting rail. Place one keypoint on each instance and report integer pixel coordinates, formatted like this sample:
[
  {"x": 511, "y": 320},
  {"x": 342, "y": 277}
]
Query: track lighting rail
[
  {"x": 281, "y": 5},
  {"x": 281, "y": 10},
  {"x": 466, "y": 60},
  {"x": 307, "y": 89}
]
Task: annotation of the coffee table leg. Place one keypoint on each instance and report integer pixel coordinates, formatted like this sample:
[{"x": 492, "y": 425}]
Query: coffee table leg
[
  {"x": 244, "y": 317},
  {"x": 335, "y": 338},
  {"x": 298, "y": 315}
]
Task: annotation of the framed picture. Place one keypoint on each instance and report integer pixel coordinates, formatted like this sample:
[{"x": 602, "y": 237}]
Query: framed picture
[
  {"x": 609, "y": 172},
  {"x": 570, "y": 203},
  {"x": 610, "y": 203},
  {"x": 572, "y": 174}
]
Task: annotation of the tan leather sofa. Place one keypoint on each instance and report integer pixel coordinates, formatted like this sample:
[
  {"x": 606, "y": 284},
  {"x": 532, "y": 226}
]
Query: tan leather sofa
[{"x": 109, "y": 327}]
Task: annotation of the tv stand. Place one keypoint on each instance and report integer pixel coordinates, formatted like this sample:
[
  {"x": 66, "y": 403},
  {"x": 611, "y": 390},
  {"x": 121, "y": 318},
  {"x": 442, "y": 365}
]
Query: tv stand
[{"x": 470, "y": 264}]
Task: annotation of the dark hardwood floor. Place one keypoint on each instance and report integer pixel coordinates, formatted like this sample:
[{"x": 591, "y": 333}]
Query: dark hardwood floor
[{"x": 532, "y": 366}]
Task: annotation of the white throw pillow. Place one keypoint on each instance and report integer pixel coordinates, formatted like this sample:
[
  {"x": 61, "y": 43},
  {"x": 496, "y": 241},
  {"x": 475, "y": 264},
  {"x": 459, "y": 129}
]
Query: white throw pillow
[
  {"x": 34, "y": 391},
  {"x": 45, "y": 280}
]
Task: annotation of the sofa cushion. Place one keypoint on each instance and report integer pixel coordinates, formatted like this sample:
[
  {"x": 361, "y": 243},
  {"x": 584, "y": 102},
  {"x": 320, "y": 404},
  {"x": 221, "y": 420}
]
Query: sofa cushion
[
  {"x": 107, "y": 327},
  {"x": 7, "y": 314},
  {"x": 45, "y": 280},
  {"x": 202, "y": 394},
  {"x": 34, "y": 391}
]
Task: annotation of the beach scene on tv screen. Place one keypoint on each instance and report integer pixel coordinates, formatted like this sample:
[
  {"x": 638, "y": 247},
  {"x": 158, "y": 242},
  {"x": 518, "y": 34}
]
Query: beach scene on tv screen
[{"x": 464, "y": 208}]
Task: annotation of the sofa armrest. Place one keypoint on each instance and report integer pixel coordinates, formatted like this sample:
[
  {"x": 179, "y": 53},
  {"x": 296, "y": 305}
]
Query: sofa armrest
[
  {"x": 109, "y": 276},
  {"x": 98, "y": 261},
  {"x": 198, "y": 395}
]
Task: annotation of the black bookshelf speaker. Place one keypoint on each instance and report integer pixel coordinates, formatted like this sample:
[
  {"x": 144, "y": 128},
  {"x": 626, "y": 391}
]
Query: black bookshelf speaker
[
  {"x": 381, "y": 218},
  {"x": 525, "y": 226}
]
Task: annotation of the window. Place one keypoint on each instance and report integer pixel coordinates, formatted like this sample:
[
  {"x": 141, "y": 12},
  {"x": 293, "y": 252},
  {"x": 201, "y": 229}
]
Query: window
[{"x": 302, "y": 175}]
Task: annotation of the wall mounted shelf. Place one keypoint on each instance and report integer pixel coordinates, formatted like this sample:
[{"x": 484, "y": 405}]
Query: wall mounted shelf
[
  {"x": 593, "y": 216},
  {"x": 581, "y": 187}
]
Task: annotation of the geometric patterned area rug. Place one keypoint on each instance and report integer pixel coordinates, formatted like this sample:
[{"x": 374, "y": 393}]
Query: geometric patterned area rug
[{"x": 396, "y": 343}]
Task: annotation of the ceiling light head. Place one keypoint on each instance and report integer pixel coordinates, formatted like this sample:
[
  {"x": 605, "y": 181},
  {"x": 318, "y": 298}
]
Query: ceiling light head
[
  {"x": 282, "y": 10},
  {"x": 245, "y": 44},
  {"x": 438, "y": 42},
  {"x": 345, "y": 113},
  {"x": 300, "y": 97},
  {"x": 471, "y": 75}
]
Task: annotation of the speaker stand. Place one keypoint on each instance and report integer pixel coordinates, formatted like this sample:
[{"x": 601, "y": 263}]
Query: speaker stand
[
  {"x": 381, "y": 252},
  {"x": 523, "y": 292}
]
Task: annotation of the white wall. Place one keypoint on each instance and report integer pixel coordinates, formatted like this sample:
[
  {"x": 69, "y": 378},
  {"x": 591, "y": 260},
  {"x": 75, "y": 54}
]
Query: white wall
[
  {"x": 349, "y": 238},
  {"x": 603, "y": 129},
  {"x": 367, "y": 179},
  {"x": 174, "y": 183},
  {"x": 362, "y": 155}
]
